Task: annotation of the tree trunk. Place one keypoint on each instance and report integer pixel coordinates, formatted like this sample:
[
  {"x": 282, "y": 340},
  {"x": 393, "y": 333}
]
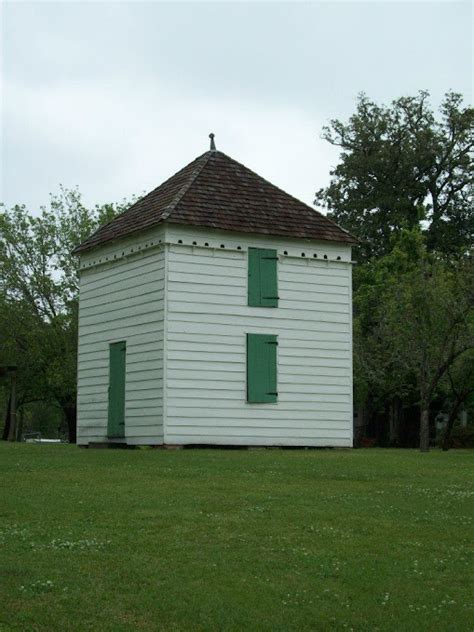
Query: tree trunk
[
  {"x": 451, "y": 419},
  {"x": 6, "y": 427},
  {"x": 70, "y": 413},
  {"x": 394, "y": 422},
  {"x": 424, "y": 428},
  {"x": 12, "y": 429},
  {"x": 359, "y": 427},
  {"x": 20, "y": 424}
]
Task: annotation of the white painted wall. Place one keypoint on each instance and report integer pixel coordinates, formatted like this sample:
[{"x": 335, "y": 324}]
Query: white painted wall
[
  {"x": 122, "y": 298},
  {"x": 182, "y": 310},
  {"x": 207, "y": 319}
]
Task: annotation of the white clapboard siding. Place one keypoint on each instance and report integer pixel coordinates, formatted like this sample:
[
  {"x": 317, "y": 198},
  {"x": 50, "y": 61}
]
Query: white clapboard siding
[
  {"x": 122, "y": 298},
  {"x": 182, "y": 310},
  {"x": 216, "y": 238},
  {"x": 127, "y": 272},
  {"x": 207, "y": 319},
  {"x": 201, "y": 343},
  {"x": 210, "y": 324}
]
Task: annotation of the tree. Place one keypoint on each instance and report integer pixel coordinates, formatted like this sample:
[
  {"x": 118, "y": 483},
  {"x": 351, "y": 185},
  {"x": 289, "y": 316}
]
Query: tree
[
  {"x": 39, "y": 295},
  {"x": 401, "y": 167},
  {"x": 413, "y": 329},
  {"x": 427, "y": 316},
  {"x": 381, "y": 381},
  {"x": 460, "y": 378}
]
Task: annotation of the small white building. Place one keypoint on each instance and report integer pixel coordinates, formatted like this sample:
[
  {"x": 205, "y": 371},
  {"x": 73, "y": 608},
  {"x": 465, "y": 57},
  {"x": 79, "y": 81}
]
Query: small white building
[{"x": 216, "y": 310}]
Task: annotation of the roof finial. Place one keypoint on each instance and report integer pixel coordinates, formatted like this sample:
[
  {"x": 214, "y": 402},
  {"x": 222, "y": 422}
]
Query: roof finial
[{"x": 213, "y": 144}]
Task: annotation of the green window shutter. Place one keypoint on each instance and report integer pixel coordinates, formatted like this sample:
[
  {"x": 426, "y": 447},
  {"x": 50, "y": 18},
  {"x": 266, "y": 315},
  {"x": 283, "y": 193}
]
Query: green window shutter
[
  {"x": 116, "y": 410},
  {"x": 262, "y": 277},
  {"x": 262, "y": 368}
]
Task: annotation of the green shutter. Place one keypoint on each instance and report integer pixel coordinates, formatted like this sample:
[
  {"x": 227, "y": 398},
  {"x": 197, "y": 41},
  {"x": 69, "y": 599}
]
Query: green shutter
[
  {"x": 262, "y": 277},
  {"x": 261, "y": 368},
  {"x": 116, "y": 411}
]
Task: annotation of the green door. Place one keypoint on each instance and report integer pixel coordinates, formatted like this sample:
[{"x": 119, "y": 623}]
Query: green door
[{"x": 116, "y": 417}]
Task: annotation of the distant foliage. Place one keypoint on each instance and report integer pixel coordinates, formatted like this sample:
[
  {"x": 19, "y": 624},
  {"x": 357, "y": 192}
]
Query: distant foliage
[
  {"x": 402, "y": 167},
  {"x": 462, "y": 437},
  {"x": 413, "y": 324},
  {"x": 404, "y": 187},
  {"x": 38, "y": 301}
]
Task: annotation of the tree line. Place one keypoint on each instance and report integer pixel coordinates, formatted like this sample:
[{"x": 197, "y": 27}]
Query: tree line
[
  {"x": 403, "y": 186},
  {"x": 39, "y": 304}
]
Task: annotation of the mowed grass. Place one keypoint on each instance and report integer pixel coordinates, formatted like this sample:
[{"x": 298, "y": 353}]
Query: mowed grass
[{"x": 235, "y": 540}]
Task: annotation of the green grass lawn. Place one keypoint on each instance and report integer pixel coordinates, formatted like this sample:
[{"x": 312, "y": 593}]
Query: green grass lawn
[{"x": 235, "y": 540}]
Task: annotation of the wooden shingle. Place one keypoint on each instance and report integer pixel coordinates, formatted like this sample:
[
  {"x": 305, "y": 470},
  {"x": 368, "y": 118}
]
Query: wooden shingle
[{"x": 215, "y": 191}]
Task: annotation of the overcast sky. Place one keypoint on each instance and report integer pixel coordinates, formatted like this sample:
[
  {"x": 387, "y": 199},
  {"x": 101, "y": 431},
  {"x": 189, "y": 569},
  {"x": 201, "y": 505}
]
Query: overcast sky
[{"x": 116, "y": 97}]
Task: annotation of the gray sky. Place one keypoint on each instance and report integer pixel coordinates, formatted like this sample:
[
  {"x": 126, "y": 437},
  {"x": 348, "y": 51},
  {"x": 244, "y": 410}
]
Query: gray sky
[{"x": 116, "y": 97}]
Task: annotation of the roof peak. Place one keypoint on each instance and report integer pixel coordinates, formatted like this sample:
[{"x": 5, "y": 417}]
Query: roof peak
[
  {"x": 217, "y": 192},
  {"x": 213, "y": 144}
]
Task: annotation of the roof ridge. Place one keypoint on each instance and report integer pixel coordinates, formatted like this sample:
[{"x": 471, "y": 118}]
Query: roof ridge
[{"x": 186, "y": 186}]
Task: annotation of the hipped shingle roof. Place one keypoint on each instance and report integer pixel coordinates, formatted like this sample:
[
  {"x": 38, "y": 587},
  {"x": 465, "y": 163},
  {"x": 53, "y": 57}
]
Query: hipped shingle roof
[{"x": 215, "y": 191}]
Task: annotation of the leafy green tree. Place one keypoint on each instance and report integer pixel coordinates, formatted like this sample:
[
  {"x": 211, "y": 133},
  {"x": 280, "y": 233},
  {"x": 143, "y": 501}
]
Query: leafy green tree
[
  {"x": 39, "y": 283},
  {"x": 413, "y": 322},
  {"x": 401, "y": 167},
  {"x": 460, "y": 382},
  {"x": 430, "y": 321},
  {"x": 380, "y": 381}
]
